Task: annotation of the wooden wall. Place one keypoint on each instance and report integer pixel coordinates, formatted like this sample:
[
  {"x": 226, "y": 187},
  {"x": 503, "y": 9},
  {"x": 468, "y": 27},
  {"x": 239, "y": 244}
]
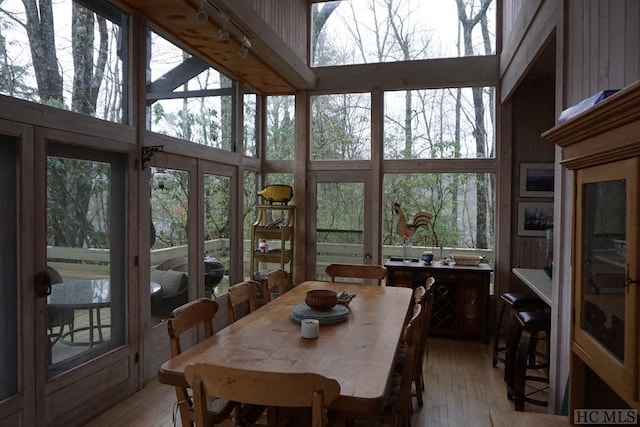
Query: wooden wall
[
  {"x": 289, "y": 19},
  {"x": 602, "y": 46},
  {"x": 533, "y": 113}
]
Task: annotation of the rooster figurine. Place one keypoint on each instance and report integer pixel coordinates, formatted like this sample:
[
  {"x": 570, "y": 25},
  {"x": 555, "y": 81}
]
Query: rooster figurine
[{"x": 406, "y": 230}]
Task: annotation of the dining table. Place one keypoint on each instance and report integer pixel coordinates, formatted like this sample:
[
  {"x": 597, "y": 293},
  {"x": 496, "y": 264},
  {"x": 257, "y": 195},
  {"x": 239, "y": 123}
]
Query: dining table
[{"x": 358, "y": 351}]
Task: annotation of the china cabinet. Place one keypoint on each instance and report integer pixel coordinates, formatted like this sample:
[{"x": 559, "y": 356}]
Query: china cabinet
[{"x": 602, "y": 146}]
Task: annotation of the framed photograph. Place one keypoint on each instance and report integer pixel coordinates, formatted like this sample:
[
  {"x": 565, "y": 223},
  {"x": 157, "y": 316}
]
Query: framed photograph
[
  {"x": 534, "y": 218},
  {"x": 536, "y": 179}
]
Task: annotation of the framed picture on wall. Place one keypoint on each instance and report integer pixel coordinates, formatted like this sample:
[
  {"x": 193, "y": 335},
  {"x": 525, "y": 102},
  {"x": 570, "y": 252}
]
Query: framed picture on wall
[
  {"x": 536, "y": 179},
  {"x": 534, "y": 218}
]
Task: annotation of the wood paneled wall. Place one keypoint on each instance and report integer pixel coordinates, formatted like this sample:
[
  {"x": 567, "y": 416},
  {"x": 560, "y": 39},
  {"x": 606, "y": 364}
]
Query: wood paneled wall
[
  {"x": 511, "y": 10},
  {"x": 289, "y": 19},
  {"x": 602, "y": 46},
  {"x": 533, "y": 113}
]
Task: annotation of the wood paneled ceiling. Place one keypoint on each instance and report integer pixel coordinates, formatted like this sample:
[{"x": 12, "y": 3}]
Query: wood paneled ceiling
[{"x": 176, "y": 20}]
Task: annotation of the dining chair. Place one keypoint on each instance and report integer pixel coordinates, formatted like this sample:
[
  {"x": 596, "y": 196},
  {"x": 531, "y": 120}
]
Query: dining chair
[
  {"x": 200, "y": 312},
  {"x": 356, "y": 271},
  {"x": 276, "y": 280},
  {"x": 397, "y": 408},
  {"x": 427, "y": 303},
  {"x": 274, "y": 390},
  {"x": 240, "y": 295}
]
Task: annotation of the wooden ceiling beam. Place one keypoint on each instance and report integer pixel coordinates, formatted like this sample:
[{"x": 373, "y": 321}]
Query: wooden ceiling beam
[{"x": 266, "y": 68}]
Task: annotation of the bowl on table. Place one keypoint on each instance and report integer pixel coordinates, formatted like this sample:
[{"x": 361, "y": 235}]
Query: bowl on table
[{"x": 321, "y": 299}]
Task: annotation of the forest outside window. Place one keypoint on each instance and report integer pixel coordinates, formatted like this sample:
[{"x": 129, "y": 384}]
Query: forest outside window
[
  {"x": 371, "y": 31},
  {"x": 197, "y": 109},
  {"x": 447, "y": 123},
  {"x": 83, "y": 62},
  {"x": 280, "y": 138},
  {"x": 341, "y": 127}
]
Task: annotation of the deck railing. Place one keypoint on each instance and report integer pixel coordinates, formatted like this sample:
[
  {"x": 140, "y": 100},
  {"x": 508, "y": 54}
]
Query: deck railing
[{"x": 81, "y": 263}]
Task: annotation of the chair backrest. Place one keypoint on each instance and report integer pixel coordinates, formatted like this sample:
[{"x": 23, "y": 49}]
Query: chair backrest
[
  {"x": 357, "y": 271},
  {"x": 271, "y": 389},
  {"x": 276, "y": 279},
  {"x": 411, "y": 338},
  {"x": 184, "y": 318},
  {"x": 239, "y": 296}
]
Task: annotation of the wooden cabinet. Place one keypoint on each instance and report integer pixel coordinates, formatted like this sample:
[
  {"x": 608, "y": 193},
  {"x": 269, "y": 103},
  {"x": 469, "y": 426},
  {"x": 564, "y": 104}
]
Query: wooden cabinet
[
  {"x": 461, "y": 295},
  {"x": 602, "y": 146},
  {"x": 275, "y": 226}
]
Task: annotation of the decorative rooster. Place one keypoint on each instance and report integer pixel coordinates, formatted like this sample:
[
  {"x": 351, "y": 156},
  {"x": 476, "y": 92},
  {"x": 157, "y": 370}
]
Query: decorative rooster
[{"x": 406, "y": 230}]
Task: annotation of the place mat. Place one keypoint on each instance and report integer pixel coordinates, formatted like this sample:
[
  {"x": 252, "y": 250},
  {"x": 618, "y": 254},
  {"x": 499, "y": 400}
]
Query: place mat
[{"x": 337, "y": 314}]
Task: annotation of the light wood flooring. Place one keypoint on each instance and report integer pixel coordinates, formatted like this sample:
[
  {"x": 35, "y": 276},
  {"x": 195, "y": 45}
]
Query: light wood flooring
[{"x": 461, "y": 389}]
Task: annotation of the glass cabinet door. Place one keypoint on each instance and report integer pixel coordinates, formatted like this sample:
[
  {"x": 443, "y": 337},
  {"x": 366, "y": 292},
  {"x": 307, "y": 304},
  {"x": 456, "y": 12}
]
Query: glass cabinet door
[{"x": 604, "y": 293}]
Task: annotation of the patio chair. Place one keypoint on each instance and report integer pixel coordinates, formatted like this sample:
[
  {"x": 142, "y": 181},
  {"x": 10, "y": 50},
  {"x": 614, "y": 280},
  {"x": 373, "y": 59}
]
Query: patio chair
[
  {"x": 356, "y": 271},
  {"x": 276, "y": 280},
  {"x": 58, "y": 317},
  {"x": 276, "y": 390}
]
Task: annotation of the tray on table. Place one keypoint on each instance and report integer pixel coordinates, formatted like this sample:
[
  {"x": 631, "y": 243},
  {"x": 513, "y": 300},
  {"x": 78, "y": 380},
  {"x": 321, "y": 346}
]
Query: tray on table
[{"x": 336, "y": 314}]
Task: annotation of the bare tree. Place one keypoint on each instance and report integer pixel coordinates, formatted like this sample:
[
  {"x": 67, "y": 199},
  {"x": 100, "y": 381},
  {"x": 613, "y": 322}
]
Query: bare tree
[{"x": 479, "y": 132}]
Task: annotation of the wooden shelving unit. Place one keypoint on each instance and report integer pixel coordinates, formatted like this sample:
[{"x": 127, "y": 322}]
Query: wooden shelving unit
[{"x": 276, "y": 225}]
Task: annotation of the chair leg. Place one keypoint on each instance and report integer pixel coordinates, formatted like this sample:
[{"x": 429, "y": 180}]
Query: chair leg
[{"x": 496, "y": 340}]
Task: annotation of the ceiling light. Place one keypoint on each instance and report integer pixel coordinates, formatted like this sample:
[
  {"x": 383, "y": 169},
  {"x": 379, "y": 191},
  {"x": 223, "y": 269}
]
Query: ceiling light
[
  {"x": 223, "y": 33},
  {"x": 202, "y": 16},
  {"x": 244, "y": 51}
]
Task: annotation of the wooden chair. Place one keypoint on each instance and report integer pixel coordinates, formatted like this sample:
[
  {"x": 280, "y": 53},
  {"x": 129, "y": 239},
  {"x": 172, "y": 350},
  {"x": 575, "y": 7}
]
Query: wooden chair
[
  {"x": 356, "y": 271},
  {"x": 276, "y": 279},
  {"x": 271, "y": 389},
  {"x": 397, "y": 409},
  {"x": 200, "y": 312},
  {"x": 427, "y": 303},
  {"x": 240, "y": 295}
]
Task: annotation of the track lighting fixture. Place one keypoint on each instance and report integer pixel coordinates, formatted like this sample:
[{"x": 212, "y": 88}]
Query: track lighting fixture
[
  {"x": 223, "y": 33},
  {"x": 244, "y": 50}
]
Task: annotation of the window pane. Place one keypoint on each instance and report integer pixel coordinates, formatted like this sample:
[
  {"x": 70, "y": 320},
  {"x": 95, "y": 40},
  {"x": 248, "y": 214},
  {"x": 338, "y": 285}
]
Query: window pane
[
  {"x": 217, "y": 234},
  {"x": 9, "y": 272},
  {"x": 341, "y": 127},
  {"x": 439, "y": 124},
  {"x": 82, "y": 61},
  {"x": 462, "y": 205},
  {"x": 169, "y": 241},
  {"x": 198, "y": 109},
  {"x": 280, "y": 128},
  {"x": 249, "y": 213},
  {"x": 250, "y": 125},
  {"x": 366, "y": 31},
  {"x": 85, "y": 257}
]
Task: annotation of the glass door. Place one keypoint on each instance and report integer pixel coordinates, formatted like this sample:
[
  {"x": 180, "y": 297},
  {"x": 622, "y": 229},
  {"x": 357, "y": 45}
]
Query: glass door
[
  {"x": 343, "y": 221},
  {"x": 85, "y": 255},
  {"x": 606, "y": 270},
  {"x": 16, "y": 330}
]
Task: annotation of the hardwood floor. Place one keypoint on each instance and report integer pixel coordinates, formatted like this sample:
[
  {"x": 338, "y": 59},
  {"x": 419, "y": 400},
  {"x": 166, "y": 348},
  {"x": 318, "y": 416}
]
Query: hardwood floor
[{"x": 461, "y": 389}]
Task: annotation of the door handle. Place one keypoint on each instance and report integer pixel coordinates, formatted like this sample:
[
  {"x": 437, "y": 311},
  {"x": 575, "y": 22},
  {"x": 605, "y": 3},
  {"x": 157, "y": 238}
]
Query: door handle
[{"x": 43, "y": 284}]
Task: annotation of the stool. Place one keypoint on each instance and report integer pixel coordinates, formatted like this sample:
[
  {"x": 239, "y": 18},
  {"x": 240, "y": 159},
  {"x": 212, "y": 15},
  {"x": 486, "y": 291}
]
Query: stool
[
  {"x": 521, "y": 354},
  {"x": 516, "y": 302}
]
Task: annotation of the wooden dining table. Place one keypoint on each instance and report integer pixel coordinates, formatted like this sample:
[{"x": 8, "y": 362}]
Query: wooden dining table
[{"x": 359, "y": 353}]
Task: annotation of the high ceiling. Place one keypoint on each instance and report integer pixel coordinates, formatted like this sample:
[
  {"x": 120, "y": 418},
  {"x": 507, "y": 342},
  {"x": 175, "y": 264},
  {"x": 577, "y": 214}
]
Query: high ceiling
[{"x": 176, "y": 20}]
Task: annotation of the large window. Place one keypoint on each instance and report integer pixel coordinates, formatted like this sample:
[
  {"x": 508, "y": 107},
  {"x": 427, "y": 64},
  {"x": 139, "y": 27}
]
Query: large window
[
  {"x": 461, "y": 206},
  {"x": 439, "y": 124},
  {"x": 367, "y": 31},
  {"x": 280, "y": 138},
  {"x": 188, "y": 99},
  {"x": 65, "y": 55},
  {"x": 341, "y": 127}
]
